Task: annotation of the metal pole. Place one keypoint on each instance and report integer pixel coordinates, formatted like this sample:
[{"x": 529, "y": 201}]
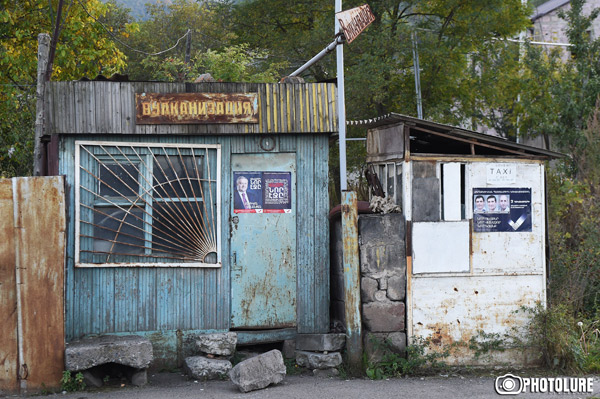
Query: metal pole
[
  {"x": 349, "y": 229},
  {"x": 188, "y": 47},
  {"x": 38, "y": 147},
  {"x": 322, "y": 53},
  {"x": 341, "y": 103},
  {"x": 417, "y": 70}
]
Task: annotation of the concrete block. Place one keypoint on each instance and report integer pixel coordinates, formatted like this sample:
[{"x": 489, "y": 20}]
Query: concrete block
[
  {"x": 320, "y": 342},
  {"x": 138, "y": 377},
  {"x": 315, "y": 360},
  {"x": 368, "y": 288},
  {"x": 396, "y": 288},
  {"x": 258, "y": 372},
  {"x": 131, "y": 350},
  {"x": 289, "y": 348},
  {"x": 379, "y": 261},
  {"x": 203, "y": 368},
  {"x": 378, "y": 344},
  {"x": 221, "y": 344},
  {"x": 383, "y": 316},
  {"x": 381, "y": 229},
  {"x": 92, "y": 379}
]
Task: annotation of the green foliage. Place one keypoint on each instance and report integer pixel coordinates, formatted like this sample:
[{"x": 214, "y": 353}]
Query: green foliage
[
  {"x": 565, "y": 344},
  {"x": 484, "y": 343},
  {"x": 291, "y": 368},
  {"x": 17, "y": 118},
  {"x": 72, "y": 383},
  {"x": 83, "y": 48},
  {"x": 420, "y": 359}
]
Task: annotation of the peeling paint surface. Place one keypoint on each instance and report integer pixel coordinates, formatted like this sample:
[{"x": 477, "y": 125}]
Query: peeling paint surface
[
  {"x": 453, "y": 309},
  {"x": 507, "y": 272},
  {"x": 263, "y": 255}
]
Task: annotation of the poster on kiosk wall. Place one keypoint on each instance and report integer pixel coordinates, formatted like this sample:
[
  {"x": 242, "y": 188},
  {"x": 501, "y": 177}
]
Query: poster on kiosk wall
[
  {"x": 262, "y": 192},
  {"x": 501, "y": 210}
]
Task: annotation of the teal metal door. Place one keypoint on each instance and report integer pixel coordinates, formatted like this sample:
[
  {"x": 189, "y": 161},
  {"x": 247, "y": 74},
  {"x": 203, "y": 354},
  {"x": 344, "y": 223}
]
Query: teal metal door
[{"x": 263, "y": 241}]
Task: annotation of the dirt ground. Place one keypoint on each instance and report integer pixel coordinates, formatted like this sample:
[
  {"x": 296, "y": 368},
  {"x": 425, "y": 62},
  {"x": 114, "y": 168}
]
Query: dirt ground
[{"x": 176, "y": 385}]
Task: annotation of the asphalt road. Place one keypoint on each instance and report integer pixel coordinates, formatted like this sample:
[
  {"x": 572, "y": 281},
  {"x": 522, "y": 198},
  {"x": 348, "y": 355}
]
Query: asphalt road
[{"x": 175, "y": 385}]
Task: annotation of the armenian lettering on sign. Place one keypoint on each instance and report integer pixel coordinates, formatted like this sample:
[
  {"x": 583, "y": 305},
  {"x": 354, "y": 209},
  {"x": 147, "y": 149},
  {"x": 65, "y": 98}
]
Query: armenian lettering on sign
[
  {"x": 354, "y": 21},
  {"x": 262, "y": 192},
  {"x": 192, "y": 108},
  {"x": 501, "y": 210}
]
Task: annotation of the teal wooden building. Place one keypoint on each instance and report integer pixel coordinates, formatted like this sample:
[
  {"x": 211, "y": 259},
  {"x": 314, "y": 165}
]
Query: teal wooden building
[{"x": 161, "y": 242}]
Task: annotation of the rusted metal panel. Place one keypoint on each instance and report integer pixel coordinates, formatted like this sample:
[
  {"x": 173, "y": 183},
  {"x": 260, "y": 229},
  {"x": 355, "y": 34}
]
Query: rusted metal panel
[
  {"x": 452, "y": 309},
  {"x": 351, "y": 279},
  {"x": 8, "y": 299},
  {"x": 40, "y": 234},
  {"x": 187, "y": 108}
]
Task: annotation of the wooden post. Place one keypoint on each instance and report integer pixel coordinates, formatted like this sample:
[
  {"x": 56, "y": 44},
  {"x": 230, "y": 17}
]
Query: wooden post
[
  {"x": 351, "y": 281},
  {"x": 38, "y": 149}
]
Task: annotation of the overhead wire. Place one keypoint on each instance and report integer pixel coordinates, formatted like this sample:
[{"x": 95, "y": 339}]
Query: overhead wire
[{"x": 125, "y": 44}]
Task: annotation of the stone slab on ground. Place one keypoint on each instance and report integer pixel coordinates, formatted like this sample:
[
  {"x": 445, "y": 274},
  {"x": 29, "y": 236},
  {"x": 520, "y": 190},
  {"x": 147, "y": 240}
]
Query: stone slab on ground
[
  {"x": 326, "y": 373},
  {"x": 259, "y": 372},
  {"x": 203, "y": 368},
  {"x": 320, "y": 342},
  {"x": 315, "y": 360},
  {"x": 130, "y": 350},
  {"x": 221, "y": 344}
]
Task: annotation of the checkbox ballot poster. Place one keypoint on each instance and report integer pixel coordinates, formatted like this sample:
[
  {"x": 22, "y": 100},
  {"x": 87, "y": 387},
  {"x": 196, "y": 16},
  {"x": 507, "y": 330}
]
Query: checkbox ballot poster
[{"x": 501, "y": 210}]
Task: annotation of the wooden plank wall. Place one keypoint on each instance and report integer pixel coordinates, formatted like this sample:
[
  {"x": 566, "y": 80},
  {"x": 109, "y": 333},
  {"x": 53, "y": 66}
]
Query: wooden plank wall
[
  {"x": 32, "y": 215},
  {"x": 117, "y": 300},
  {"x": 109, "y": 107}
]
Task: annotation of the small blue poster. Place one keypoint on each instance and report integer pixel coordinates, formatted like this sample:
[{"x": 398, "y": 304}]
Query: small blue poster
[{"x": 502, "y": 210}]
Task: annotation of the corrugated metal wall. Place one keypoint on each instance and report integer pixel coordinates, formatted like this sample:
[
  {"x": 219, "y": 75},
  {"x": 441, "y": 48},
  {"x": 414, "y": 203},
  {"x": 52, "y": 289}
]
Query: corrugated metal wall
[
  {"x": 109, "y": 107},
  {"x": 112, "y": 300}
]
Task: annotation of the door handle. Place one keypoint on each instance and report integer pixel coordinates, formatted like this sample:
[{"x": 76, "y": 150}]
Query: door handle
[{"x": 234, "y": 258}]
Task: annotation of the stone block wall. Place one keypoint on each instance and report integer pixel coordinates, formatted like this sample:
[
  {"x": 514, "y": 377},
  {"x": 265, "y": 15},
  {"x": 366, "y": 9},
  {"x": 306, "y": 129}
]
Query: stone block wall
[{"x": 383, "y": 280}]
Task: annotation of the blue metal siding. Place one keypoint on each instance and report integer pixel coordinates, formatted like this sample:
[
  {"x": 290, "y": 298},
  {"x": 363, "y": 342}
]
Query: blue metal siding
[{"x": 120, "y": 300}]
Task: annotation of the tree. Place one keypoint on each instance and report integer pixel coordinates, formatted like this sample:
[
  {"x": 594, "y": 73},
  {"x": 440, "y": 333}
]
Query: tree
[
  {"x": 209, "y": 25},
  {"x": 84, "y": 49}
]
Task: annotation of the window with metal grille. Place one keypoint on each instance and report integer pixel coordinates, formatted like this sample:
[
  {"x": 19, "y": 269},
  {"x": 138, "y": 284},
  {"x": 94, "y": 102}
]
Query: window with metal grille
[{"x": 147, "y": 205}]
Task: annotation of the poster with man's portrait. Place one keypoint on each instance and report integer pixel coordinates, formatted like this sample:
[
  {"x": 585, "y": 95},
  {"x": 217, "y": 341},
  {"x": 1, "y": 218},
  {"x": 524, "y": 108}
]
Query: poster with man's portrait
[
  {"x": 501, "y": 209},
  {"x": 262, "y": 192}
]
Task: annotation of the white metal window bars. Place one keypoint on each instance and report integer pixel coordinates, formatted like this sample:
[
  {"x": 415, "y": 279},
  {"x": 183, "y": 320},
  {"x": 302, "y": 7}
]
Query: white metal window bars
[{"x": 147, "y": 204}]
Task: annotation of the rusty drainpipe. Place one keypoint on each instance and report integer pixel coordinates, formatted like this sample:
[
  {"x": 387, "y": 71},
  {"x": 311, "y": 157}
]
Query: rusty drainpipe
[{"x": 351, "y": 281}]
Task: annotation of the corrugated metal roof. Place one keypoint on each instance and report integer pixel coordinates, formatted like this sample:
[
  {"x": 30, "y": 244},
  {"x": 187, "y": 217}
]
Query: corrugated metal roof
[
  {"x": 547, "y": 7},
  {"x": 459, "y": 133}
]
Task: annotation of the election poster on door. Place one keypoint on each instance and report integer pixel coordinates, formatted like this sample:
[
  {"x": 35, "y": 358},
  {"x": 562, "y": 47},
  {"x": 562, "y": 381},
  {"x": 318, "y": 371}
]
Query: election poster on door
[
  {"x": 262, "y": 192},
  {"x": 502, "y": 210}
]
